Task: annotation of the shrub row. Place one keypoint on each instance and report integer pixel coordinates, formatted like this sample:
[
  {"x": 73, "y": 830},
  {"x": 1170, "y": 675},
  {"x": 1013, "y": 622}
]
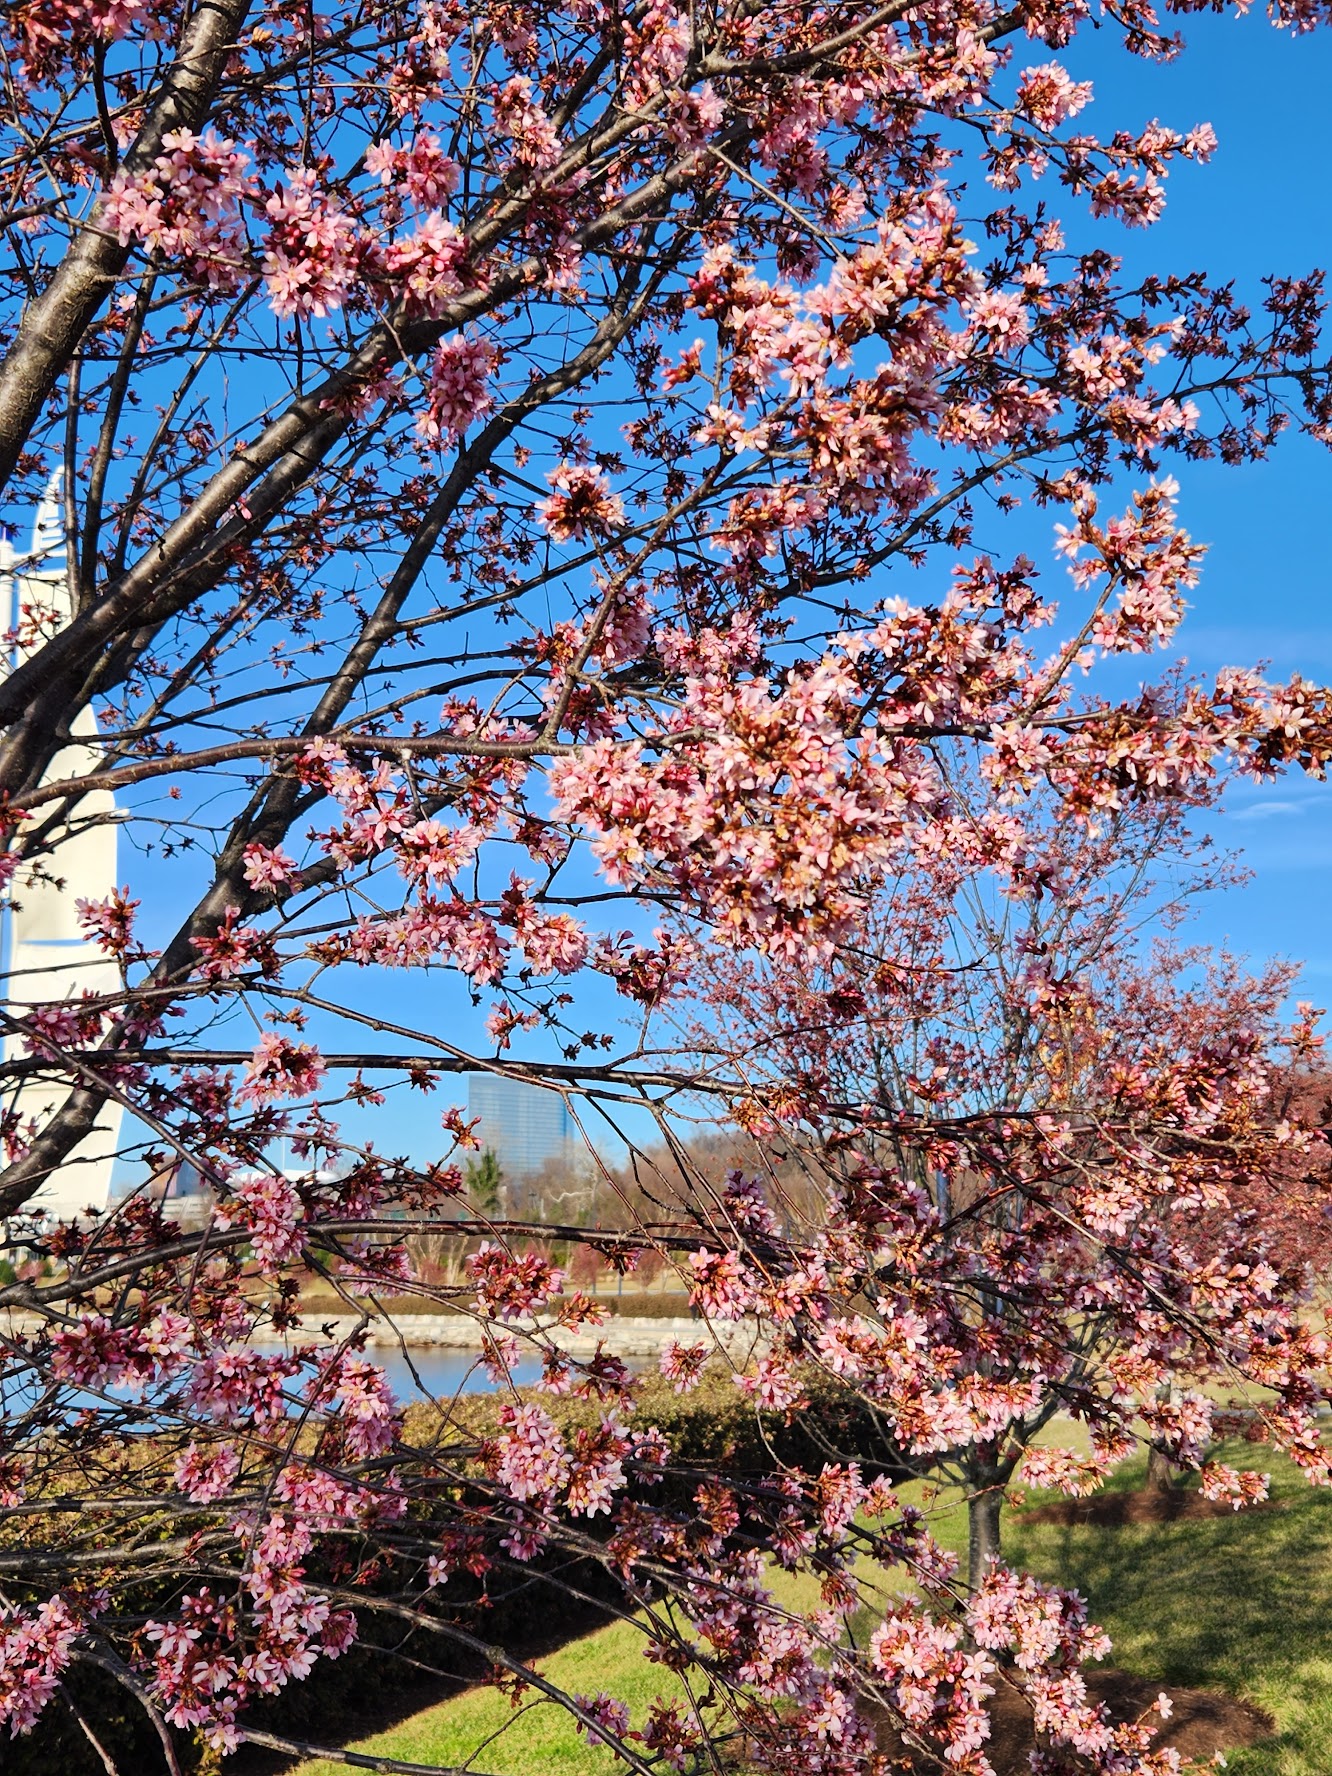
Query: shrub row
[{"x": 714, "y": 1427}]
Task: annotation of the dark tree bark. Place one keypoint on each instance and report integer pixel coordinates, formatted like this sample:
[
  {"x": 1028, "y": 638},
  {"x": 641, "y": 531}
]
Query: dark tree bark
[
  {"x": 984, "y": 1543},
  {"x": 1162, "y": 1473}
]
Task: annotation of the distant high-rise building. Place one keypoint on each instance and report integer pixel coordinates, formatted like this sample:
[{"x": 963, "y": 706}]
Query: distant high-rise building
[
  {"x": 523, "y": 1125},
  {"x": 47, "y": 955}
]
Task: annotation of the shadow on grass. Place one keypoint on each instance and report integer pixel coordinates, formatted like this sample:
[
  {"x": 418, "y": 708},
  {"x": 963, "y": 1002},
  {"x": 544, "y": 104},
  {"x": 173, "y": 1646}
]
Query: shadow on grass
[
  {"x": 1241, "y": 1603},
  {"x": 400, "y": 1690}
]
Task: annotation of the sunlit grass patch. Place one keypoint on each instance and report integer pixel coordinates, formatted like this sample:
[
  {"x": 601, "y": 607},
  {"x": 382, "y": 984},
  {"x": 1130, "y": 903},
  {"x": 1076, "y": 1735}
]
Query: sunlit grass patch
[
  {"x": 1241, "y": 1604},
  {"x": 536, "y": 1737}
]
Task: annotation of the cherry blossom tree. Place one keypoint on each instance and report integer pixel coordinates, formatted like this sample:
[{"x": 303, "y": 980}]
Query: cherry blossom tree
[
  {"x": 496, "y": 441},
  {"x": 1095, "y": 1124}
]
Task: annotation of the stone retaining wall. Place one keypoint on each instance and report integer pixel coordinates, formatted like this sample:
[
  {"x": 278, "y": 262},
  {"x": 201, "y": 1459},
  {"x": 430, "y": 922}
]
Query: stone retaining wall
[{"x": 623, "y": 1336}]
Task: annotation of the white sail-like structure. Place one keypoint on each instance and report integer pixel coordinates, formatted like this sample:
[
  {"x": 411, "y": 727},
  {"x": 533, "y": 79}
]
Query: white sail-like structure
[{"x": 46, "y": 954}]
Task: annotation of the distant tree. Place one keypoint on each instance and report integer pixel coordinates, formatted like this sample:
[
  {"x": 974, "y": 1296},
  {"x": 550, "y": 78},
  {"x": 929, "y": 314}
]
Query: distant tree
[
  {"x": 585, "y": 1266},
  {"x": 1096, "y": 1125},
  {"x": 574, "y": 1187},
  {"x": 484, "y": 1178}
]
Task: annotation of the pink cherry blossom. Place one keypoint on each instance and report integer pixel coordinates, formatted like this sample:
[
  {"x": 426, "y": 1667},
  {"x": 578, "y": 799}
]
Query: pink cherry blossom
[
  {"x": 280, "y": 1068},
  {"x": 458, "y": 389},
  {"x": 311, "y": 250}
]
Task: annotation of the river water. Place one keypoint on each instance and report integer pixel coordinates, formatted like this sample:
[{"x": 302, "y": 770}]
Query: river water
[
  {"x": 421, "y": 1373},
  {"x": 440, "y": 1374}
]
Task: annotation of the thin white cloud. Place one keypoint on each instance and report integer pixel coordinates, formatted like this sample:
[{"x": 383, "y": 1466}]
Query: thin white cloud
[{"x": 1266, "y": 810}]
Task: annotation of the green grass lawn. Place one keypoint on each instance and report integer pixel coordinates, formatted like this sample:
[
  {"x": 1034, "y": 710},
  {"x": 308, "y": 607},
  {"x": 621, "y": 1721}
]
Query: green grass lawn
[
  {"x": 535, "y": 1738},
  {"x": 1242, "y": 1604}
]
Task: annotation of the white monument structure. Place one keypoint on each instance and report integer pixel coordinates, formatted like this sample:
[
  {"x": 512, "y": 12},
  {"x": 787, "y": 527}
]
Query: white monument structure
[{"x": 46, "y": 955}]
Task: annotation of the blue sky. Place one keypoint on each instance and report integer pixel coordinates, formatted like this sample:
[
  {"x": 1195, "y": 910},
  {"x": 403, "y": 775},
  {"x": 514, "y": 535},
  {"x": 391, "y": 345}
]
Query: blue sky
[{"x": 1264, "y": 204}]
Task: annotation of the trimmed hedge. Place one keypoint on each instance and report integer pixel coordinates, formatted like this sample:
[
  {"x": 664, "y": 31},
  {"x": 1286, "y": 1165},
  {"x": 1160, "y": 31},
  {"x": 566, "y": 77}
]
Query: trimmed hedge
[{"x": 715, "y": 1427}]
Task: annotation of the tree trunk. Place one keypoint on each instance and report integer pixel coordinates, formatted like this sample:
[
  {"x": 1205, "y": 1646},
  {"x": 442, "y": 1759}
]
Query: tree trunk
[
  {"x": 983, "y": 1544},
  {"x": 1161, "y": 1471}
]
